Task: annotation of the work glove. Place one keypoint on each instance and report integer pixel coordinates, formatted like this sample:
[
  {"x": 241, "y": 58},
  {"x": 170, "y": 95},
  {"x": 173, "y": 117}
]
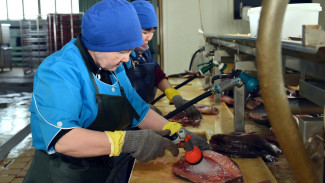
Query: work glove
[
  {"x": 196, "y": 140},
  {"x": 192, "y": 112},
  {"x": 174, "y": 96},
  {"x": 143, "y": 145}
]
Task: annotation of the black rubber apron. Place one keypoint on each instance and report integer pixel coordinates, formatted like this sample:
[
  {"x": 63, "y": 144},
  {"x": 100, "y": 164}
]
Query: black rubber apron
[
  {"x": 114, "y": 113},
  {"x": 142, "y": 77}
]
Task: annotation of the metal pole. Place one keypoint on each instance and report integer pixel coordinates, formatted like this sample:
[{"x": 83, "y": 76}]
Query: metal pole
[
  {"x": 71, "y": 20},
  {"x": 39, "y": 10},
  {"x": 22, "y": 2},
  {"x": 7, "y": 10}
]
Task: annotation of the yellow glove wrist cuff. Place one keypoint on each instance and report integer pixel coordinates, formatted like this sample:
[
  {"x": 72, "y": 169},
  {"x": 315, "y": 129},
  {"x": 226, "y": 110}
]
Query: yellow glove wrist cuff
[
  {"x": 172, "y": 126},
  {"x": 171, "y": 92},
  {"x": 116, "y": 140}
]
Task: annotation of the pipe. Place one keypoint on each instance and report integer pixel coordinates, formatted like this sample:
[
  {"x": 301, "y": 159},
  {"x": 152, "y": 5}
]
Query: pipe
[
  {"x": 269, "y": 71},
  {"x": 189, "y": 103}
]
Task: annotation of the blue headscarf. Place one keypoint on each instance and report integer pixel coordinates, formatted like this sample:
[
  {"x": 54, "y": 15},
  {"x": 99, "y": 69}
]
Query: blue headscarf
[
  {"x": 110, "y": 26},
  {"x": 146, "y": 13}
]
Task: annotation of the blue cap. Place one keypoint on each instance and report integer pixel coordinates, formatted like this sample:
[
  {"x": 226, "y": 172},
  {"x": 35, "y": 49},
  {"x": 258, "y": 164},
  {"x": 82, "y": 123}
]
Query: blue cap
[
  {"x": 110, "y": 26},
  {"x": 146, "y": 13}
]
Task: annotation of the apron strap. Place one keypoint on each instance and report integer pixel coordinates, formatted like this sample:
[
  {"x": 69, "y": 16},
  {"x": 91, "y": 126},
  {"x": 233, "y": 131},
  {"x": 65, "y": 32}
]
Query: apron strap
[{"x": 86, "y": 60}]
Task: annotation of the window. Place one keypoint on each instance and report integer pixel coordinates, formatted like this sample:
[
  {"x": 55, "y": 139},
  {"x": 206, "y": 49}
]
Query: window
[
  {"x": 28, "y": 9},
  {"x": 3, "y": 10},
  {"x": 15, "y": 9}
]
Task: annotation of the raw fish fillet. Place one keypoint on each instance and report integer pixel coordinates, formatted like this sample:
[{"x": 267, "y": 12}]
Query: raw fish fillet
[
  {"x": 213, "y": 168},
  {"x": 185, "y": 121},
  {"x": 228, "y": 100},
  {"x": 252, "y": 104},
  {"x": 207, "y": 109},
  {"x": 258, "y": 114},
  {"x": 244, "y": 145}
]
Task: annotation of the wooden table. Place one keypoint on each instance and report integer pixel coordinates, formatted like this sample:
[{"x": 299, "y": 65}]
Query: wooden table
[{"x": 160, "y": 170}]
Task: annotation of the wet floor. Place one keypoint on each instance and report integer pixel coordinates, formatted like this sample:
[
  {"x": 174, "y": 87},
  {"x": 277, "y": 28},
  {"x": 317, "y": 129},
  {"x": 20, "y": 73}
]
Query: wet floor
[
  {"x": 14, "y": 116},
  {"x": 15, "y": 99}
]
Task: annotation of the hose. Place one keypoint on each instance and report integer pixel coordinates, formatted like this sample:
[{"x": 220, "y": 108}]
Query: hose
[
  {"x": 220, "y": 76},
  {"x": 269, "y": 70},
  {"x": 193, "y": 56},
  {"x": 188, "y": 104},
  {"x": 176, "y": 87}
]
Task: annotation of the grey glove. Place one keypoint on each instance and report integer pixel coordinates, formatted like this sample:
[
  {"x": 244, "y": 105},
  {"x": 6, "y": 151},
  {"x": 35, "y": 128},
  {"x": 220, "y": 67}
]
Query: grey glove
[
  {"x": 192, "y": 112},
  {"x": 198, "y": 141},
  {"x": 146, "y": 145}
]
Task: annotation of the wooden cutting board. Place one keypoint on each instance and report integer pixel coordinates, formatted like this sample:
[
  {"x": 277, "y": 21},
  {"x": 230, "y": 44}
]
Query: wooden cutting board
[{"x": 160, "y": 170}]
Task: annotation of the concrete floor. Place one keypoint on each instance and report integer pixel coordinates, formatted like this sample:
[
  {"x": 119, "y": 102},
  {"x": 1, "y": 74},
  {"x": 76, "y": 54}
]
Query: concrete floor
[{"x": 15, "y": 97}]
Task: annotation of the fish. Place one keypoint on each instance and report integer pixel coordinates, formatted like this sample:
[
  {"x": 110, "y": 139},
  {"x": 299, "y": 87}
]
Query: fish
[
  {"x": 244, "y": 145},
  {"x": 214, "y": 167},
  {"x": 207, "y": 109},
  {"x": 252, "y": 104},
  {"x": 259, "y": 115},
  {"x": 228, "y": 100},
  {"x": 185, "y": 120}
]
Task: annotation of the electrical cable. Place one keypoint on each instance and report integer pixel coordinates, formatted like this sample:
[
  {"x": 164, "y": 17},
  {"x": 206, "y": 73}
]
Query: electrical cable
[{"x": 193, "y": 56}]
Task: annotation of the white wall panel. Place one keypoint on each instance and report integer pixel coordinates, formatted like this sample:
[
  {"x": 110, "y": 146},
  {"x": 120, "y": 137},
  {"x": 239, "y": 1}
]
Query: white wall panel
[{"x": 181, "y": 21}]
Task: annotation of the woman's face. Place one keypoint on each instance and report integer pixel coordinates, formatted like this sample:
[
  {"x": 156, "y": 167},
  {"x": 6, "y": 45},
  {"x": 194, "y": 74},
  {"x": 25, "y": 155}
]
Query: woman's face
[
  {"x": 110, "y": 60},
  {"x": 147, "y": 35}
]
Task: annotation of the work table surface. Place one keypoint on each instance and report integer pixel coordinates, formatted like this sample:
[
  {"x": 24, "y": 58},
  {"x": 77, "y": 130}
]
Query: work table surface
[{"x": 160, "y": 170}]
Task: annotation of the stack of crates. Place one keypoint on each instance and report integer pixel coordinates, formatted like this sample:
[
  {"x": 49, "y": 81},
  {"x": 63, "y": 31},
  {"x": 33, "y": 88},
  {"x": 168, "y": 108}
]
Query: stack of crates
[{"x": 62, "y": 28}]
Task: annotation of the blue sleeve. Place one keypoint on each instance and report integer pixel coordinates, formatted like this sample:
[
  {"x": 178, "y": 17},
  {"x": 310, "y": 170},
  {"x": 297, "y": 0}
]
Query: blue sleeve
[{"x": 56, "y": 102}]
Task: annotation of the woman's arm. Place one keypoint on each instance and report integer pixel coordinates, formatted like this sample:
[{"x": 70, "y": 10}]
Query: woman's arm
[
  {"x": 80, "y": 142},
  {"x": 164, "y": 84},
  {"x": 153, "y": 121}
]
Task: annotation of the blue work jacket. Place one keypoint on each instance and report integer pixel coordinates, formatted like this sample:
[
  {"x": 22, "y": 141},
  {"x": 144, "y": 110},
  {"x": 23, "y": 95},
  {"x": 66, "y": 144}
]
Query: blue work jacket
[{"x": 64, "y": 96}]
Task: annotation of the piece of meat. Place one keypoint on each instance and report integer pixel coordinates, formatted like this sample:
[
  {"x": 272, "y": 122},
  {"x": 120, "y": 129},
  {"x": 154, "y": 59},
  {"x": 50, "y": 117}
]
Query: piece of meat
[
  {"x": 252, "y": 104},
  {"x": 207, "y": 109},
  {"x": 258, "y": 114},
  {"x": 184, "y": 120},
  {"x": 228, "y": 100},
  {"x": 213, "y": 168},
  {"x": 243, "y": 145}
]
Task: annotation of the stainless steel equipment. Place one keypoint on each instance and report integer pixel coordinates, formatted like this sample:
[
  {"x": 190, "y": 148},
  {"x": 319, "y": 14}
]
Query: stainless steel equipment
[
  {"x": 5, "y": 52},
  {"x": 5, "y": 34},
  {"x": 5, "y": 58}
]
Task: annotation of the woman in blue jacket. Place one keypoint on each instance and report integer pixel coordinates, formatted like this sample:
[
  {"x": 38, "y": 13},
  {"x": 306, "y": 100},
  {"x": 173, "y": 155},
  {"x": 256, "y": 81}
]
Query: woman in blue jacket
[
  {"x": 144, "y": 73},
  {"x": 82, "y": 102}
]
